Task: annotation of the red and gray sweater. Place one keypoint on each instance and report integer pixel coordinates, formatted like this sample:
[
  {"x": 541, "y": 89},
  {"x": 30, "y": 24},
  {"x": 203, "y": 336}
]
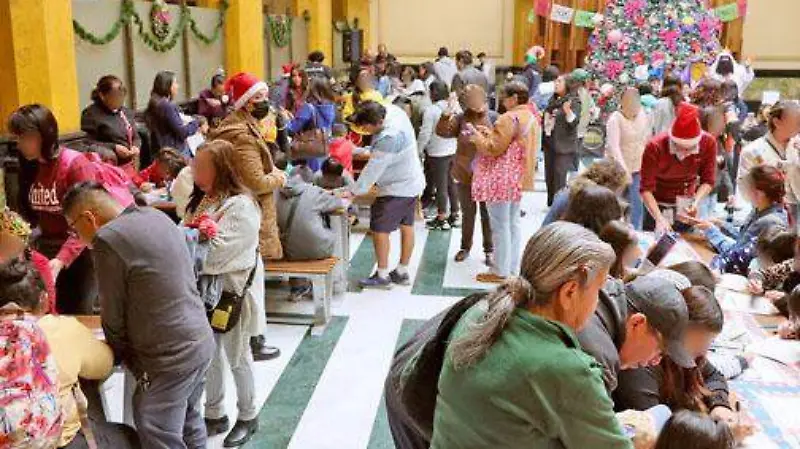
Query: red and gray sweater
[
  {"x": 53, "y": 180},
  {"x": 667, "y": 177}
]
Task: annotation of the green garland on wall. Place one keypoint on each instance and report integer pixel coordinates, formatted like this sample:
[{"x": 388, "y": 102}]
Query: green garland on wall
[
  {"x": 161, "y": 44},
  {"x": 280, "y": 30}
]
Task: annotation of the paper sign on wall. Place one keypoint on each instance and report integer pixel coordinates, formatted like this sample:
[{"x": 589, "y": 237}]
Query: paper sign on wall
[
  {"x": 561, "y": 13},
  {"x": 727, "y": 13},
  {"x": 584, "y": 19}
]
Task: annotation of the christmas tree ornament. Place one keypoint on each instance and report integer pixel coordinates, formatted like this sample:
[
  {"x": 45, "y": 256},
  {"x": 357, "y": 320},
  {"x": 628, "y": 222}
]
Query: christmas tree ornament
[{"x": 615, "y": 36}]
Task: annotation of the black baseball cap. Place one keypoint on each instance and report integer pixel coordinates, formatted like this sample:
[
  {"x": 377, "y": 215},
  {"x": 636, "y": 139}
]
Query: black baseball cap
[{"x": 662, "y": 303}]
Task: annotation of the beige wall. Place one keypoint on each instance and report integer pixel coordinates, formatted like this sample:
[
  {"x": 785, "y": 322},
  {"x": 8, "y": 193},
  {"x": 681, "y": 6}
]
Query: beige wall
[
  {"x": 415, "y": 29},
  {"x": 770, "y": 35}
]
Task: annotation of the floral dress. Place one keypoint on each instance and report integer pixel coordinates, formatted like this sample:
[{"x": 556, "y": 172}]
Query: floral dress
[
  {"x": 498, "y": 179},
  {"x": 30, "y": 416}
]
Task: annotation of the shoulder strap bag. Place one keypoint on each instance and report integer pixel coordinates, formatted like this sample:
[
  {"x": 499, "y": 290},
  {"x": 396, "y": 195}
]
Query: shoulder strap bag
[{"x": 224, "y": 316}]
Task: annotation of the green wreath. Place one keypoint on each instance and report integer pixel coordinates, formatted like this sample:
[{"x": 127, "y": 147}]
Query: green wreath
[
  {"x": 280, "y": 30},
  {"x": 158, "y": 38}
]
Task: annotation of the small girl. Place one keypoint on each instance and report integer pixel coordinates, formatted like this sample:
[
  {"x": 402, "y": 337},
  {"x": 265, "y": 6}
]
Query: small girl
[
  {"x": 788, "y": 330},
  {"x": 166, "y": 167},
  {"x": 774, "y": 280},
  {"x": 690, "y": 430}
]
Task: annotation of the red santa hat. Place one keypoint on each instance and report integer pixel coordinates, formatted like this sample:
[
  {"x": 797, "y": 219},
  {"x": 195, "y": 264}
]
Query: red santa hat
[
  {"x": 686, "y": 131},
  {"x": 242, "y": 87}
]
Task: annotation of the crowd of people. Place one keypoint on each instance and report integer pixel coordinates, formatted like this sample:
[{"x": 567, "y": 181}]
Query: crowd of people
[{"x": 574, "y": 346}]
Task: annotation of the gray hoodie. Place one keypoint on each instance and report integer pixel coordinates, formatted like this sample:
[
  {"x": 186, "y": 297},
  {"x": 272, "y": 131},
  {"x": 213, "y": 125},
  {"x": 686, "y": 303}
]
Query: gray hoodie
[{"x": 309, "y": 236}]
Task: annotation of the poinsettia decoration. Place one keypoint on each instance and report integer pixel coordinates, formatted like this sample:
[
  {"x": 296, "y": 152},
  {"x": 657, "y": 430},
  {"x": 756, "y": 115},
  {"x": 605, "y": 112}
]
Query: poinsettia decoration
[{"x": 160, "y": 19}]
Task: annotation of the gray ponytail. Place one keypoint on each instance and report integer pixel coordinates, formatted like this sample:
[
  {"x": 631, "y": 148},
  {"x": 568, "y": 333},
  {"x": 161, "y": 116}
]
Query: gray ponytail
[{"x": 556, "y": 254}]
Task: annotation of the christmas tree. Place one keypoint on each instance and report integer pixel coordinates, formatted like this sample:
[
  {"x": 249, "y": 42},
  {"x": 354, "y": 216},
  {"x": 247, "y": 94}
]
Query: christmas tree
[{"x": 641, "y": 38}]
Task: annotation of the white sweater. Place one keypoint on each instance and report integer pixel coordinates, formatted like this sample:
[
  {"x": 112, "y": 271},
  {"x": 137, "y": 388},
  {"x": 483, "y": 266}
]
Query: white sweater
[{"x": 766, "y": 150}]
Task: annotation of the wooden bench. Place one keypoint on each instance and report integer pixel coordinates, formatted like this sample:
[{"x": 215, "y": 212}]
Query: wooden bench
[{"x": 321, "y": 273}]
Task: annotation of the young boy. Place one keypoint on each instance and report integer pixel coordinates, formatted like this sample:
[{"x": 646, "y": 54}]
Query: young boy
[
  {"x": 332, "y": 176},
  {"x": 303, "y": 211},
  {"x": 169, "y": 162}
]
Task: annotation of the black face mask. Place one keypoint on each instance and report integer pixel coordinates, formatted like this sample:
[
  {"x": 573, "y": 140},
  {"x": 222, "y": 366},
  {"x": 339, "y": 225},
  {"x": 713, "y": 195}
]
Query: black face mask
[{"x": 260, "y": 110}]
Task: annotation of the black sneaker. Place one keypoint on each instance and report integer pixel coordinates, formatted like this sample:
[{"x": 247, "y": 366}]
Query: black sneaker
[
  {"x": 399, "y": 279},
  {"x": 375, "y": 281},
  {"x": 454, "y": 221},
  {"x": 436, "y": 224}
]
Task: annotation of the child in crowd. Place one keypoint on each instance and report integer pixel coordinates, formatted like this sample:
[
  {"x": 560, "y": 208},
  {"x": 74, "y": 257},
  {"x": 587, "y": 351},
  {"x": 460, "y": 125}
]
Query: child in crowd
[
  {"x": 303, "y": 213},
  {"x": 14, "y": 235},
  {"x": 625, "y": 242},
  {"x": 690, "y": 430},
  {"x": 774, "y": 280},
  {"x": 790, "y": 330},
  {"x": 169, "y": 162},
  {"x": 774, "y": 245},
  {"x": 333, "y": 176},
  {"x": 301, "y": 169},
  {"x": 341, "y": 148}
]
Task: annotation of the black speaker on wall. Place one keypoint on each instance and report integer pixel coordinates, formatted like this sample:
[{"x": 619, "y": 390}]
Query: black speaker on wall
[{"x": 351, "y": 45}]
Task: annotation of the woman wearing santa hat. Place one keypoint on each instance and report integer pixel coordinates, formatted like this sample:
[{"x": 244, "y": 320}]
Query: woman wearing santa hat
[
  {"x": 671, "y": 166},
  {"x": 253, "y": 162}
]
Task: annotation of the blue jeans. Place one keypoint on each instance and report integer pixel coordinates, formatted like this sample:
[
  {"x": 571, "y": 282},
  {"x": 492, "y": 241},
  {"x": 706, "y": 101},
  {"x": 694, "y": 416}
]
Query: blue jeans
[
  {"x": 504, "y": 217},
  {"x": 635, "y": 201}
]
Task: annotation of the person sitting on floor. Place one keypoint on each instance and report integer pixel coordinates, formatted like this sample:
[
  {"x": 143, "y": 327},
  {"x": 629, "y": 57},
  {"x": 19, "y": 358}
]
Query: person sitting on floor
[
  {"x": 623, "y": 238},
  {"x": 604, "y": 172},
  {"x": 765, "y": 188},
  {"x": 775, "y": 245},
  {"x": 634, "y": 324},
  {"x": 167, "y": 166},
  {"x": 593, "y": 207},
  {"x": 690, "y": 430},
  {"x": 776, "y": 281},
  {"x": 703, "y": 388},
  {"x": 303, "y": 218}
]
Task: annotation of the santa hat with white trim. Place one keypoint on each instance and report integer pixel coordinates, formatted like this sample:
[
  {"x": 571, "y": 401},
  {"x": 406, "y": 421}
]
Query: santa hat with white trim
[
  {"x": 686, "y": 131},
  {"x": 242, "y": 87}
]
